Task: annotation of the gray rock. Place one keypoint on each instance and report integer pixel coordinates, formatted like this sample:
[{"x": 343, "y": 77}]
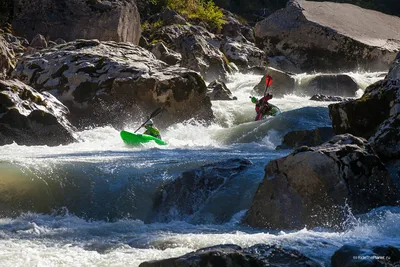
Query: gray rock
[
  {"x": 7, "y": 58},
  {"x": 163, "y": 53},
  {"x": 99, "y": 81},
  {"x": 186, "y": 194},
  {"x": 351, "y": 255},
  {"x": 283, "y": 83},
  {"x": 28, "y": 117},
  {"x": 39, "y": 42},
  {"x": 198, "y": 47},
  {"x": 217, "y": 90},
  {"x": 331, "y": 85},
  {"x": 234, "y": 256},
  {"x": 329, "y": 98},
  {"x": 243, "y": 53},
  {"x": 60, "y": 41},
  {"x": 313, "y": 137},
  {"x": 325, "y": 36},
  {"x": 313, "y": 186},
  {"x": 71, "y": 19}
]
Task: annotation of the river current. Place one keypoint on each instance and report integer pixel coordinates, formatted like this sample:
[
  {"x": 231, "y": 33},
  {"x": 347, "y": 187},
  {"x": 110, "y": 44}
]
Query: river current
[{"x": 90, "y": 203}]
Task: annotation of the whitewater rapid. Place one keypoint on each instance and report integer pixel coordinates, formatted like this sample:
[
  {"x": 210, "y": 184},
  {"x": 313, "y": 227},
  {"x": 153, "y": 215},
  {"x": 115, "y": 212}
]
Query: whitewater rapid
[{"x": 102, "y": 190}]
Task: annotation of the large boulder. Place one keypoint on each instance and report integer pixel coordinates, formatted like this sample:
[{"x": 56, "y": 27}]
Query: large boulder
[
  {"x": 188, "y": 193},
  {"x": 325, "y": 36},
  {"x": 99, "y": 81},
  {"x": 6, "y": 58},
  {"x": 331, "y": 85},
  {"x": 234, "y": 256},
  {"x": 300, "y": 138},
  {"x": 217, "y": 90},
  {"x": 351, "y": 255},
  {"x": 28, "y": 117},
  {"x": 71, "y": 19},
  {"x": 198, "y": 47},
  {"x": 283, "y": 83},
  {"x": 314, "y": 186}
]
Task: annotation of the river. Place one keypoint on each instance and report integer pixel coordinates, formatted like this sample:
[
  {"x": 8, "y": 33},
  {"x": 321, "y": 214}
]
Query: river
[{"x": 90, "y": 203}]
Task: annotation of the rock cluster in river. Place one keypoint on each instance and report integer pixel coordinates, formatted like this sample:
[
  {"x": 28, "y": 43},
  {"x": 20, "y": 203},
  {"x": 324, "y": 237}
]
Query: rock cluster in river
[
  {"x": 99, "y": 80},
  {"x": 232, "y": 255},
  {"x": 312, "y": 186}
]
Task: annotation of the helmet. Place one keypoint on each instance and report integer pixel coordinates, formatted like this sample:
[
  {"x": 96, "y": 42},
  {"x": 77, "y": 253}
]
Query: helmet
[
  {"x": 149, "y": 122},
  {"x": 253, "y": 99}
]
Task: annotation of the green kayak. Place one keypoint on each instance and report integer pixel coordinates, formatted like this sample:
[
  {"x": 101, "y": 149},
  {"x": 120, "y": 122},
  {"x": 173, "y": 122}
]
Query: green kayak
[
  {"x": 137, "y": 139},
  {"x": 273, "y": 111}
]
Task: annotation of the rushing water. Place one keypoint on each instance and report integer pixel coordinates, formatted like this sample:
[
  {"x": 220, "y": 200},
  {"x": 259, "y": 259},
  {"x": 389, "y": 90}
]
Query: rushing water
[{"x": 90, "y": 203}]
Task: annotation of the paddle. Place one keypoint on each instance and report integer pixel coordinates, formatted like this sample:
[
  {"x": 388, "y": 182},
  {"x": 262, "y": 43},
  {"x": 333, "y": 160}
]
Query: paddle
[
  {"x": 152, "y": 115},
  {"x": 268, "y": 82}
]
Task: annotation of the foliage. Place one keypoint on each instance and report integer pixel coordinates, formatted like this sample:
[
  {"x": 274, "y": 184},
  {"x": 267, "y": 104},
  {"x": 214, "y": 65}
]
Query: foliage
[
  {"x": 201, "y": 10},
  {"x": 152, "y": 26}
]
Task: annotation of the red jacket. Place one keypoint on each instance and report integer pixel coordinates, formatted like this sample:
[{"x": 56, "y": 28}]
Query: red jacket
[{"x": 263, "y": 102}]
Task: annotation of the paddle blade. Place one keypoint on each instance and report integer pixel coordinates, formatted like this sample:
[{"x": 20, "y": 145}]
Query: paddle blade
[
  {"x": 268, "y": 80},
  {"x": 156, "y": 112}
]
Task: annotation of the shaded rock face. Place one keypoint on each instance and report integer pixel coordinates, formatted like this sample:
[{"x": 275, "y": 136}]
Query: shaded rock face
[
  {"x": 186, "y": 194},
  {"x": 71, "y": 19},
  {"x": 217, "y": 90},
  {"x": 314, "y": 137},
  {"x": 233, "y": 256},
  {"x": 386, "y": 140},
  {"x": 350, "y": 255},
  {"x": 312, "y": 186},
  {"x": 325, "y": 36},
  {"x": 329, "y": 98},
  {"x": 283, "y": 83},
  {"x": 17, "y": 44},
  {"x": 6, "y": 58},
  {"x": 198, "y": 49},
  {"x": 99, "y": 80},
  {"x": 163, "y": 53},
  {"x": 363, "y": 116},
  {"x": 28, "y": 117},
  {"x": 332, "y": 85}
]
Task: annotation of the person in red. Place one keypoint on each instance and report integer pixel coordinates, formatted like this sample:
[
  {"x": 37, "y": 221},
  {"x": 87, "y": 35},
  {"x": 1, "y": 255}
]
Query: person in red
[{"x": 262, "y": 106}]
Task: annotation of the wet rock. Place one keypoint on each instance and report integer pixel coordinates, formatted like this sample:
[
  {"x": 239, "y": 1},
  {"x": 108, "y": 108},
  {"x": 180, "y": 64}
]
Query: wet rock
[
  {"x": 60, "y": 41},
  {"x": 70, "y": 20},
  {"x": 99, "y": 81},
  {"x": 309, "y": 35},
  {"x": 163, "y": 53},
  {"x": 189, "y": 192},
  {"x": 364, "y": 116},
  {"x": 332, "y": 85},
  {"x": 329, "y": 98},
  {"x": 198, "y": 47},
  {"x": 312, "y": 186},
  {"x": 217, "y": 90},
  {"x": 7, "y": 58},
  {"x": 314, "y": 137},
  {"x": 234, "y": 256},
  {"x": 350, "y": 255},
  {"x": 39, "y": 42},
  {"x": 386, "y": 140},
  {"x": 31, "y": 118},
  {"x": 283, "y": 83}
]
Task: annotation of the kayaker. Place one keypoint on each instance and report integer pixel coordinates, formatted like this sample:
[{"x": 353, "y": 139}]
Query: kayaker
[
  {"x": 262, "y": 106},
  {"x": 151, "y": 130}
]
